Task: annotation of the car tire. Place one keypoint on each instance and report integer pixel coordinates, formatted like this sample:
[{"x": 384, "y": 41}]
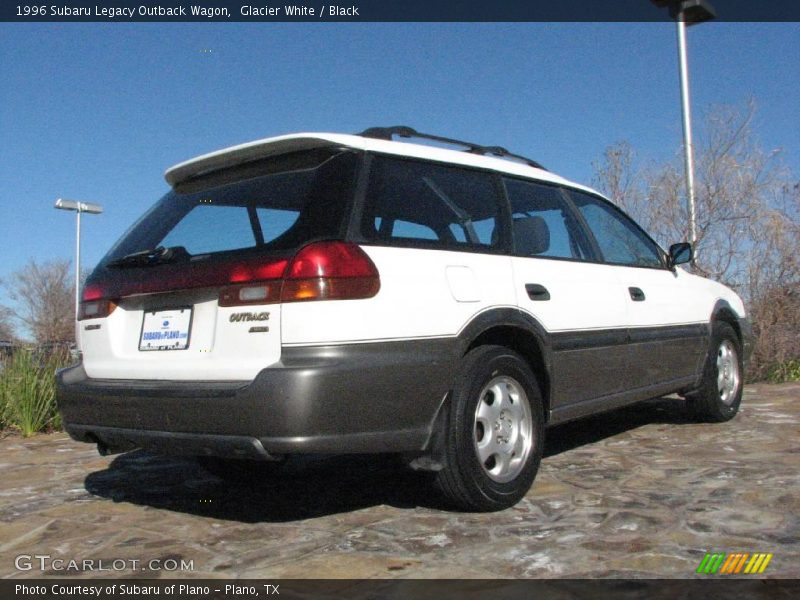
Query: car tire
[
  {"x": 494, "y": 433},
  {"x": 240, "y": 470},
  {"x": 720, "y": 393}
]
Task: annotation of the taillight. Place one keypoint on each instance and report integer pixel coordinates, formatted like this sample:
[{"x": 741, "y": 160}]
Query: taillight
[
  {"x": 92, "y": 292},
  {"x": 93, "y": 304},
  {"x": 261, "y": 293},
  {"x": 319, "y": 271},
  {"x": 330, "y": 271},
  {"x": 96, "y": 309}
]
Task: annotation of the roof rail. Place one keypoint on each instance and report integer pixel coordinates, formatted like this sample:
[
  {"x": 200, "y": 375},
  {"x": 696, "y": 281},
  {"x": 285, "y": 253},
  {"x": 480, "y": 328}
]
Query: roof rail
[{"x": 386, "y": 133}]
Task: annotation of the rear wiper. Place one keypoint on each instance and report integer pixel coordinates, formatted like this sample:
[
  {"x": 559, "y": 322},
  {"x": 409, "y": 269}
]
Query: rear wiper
[{"x": 147, "y": 258}]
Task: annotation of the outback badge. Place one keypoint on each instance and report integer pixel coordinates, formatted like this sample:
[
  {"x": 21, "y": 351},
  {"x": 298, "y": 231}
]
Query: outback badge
[{"x": 246, "y": 317}]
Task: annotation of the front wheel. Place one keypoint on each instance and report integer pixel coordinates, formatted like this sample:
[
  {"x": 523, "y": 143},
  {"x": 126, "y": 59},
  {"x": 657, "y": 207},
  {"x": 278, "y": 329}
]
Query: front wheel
[
  {"x": 720, "y": 392},
  {"x": 495, "y": 432}
]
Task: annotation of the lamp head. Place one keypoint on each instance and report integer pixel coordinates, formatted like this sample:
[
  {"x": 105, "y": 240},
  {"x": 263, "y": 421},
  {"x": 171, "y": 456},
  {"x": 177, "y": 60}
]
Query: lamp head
[
  {"x": 692, "y": 12},
  {"x": 78, "y": 206}
]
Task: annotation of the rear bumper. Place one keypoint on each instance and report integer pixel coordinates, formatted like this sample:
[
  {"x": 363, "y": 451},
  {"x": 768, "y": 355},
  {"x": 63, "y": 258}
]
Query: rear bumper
[{"x": 359, "y": 398}]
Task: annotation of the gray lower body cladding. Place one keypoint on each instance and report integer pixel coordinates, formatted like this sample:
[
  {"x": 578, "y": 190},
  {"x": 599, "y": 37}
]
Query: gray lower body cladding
[
  {"x": 377, "y": 397},
  {"x": 748, "y": 339},
  {"x": 370, "y": 397}
]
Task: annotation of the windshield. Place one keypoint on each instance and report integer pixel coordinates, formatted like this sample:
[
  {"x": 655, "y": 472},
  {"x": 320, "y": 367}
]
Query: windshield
[{"x": 274, "y": 205}]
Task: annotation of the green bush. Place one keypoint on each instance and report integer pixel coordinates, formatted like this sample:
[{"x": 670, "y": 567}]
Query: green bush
[
  {"x": 783, "y": 372},
  {"x": 28, "y": 390}
]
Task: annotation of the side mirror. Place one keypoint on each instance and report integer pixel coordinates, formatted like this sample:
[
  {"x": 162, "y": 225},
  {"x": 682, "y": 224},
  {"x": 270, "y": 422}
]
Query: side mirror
[{"x": 680, "y": 253}]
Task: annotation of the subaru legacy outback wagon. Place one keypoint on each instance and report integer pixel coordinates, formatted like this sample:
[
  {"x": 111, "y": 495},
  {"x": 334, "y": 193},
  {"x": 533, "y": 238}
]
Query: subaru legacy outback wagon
[{"x": 322, "y": 293}]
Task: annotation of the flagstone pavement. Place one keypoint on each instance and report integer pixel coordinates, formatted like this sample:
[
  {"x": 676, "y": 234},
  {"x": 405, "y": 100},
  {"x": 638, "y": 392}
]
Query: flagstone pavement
[{"x": 639, "y": 492}]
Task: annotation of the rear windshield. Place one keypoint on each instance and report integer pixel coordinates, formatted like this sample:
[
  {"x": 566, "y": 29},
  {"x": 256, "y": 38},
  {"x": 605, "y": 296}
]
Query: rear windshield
[{"x": 274, "y": 205}]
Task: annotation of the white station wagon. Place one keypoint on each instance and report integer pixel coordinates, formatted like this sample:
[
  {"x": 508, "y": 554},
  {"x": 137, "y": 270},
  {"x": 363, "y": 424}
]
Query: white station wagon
[{"x": 325, "y": 293}]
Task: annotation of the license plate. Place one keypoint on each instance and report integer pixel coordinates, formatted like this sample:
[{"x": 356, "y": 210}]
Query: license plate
[{"x": 166, "y": 329}]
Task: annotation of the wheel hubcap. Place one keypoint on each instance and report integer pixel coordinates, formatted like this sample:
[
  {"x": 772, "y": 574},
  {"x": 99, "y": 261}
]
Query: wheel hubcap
[
  {"x": 728, "y": 376},
  {"x": 503, "y": 429}
]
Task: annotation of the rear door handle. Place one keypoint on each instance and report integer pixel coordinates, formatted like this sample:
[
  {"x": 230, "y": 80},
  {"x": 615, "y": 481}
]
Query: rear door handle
[
  {"x": 637, "y": 295},
  {"x": 537, "y": 292}
]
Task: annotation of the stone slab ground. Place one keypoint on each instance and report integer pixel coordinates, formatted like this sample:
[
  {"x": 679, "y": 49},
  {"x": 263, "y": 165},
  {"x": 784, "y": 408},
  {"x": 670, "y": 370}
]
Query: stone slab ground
[{"x": 640, "y": 492}]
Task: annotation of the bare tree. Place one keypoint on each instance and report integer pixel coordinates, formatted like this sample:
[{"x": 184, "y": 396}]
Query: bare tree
[
  {"x": 774, "y": 281},
  {"x": 6, "y": 325},
  {"x": 748, "y": 218},
  {"x": 743, "y": 200},
  {"x": 44, "y": 294}
]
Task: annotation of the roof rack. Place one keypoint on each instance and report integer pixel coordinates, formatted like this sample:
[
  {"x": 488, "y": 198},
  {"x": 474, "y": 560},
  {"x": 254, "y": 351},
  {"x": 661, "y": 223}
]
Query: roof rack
[{"x": 386, "y": 133}]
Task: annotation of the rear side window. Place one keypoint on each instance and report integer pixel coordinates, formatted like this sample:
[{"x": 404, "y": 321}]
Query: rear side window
[
  {"x": 542, "y": 223},
  {"x": 417, "y": 203},
  {"x": 275, "y": 221},
  {"x": 274, "y": 205},
  {"x": 621, "y": 241}
]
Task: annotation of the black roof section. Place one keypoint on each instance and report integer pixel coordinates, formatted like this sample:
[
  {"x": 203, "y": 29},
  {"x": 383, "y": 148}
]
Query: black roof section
[{"x": 386, "y": 133}]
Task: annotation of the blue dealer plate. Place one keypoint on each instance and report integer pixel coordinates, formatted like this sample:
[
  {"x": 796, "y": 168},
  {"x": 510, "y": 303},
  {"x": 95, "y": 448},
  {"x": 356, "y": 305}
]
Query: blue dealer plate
[{"x": 166, "y": 329}]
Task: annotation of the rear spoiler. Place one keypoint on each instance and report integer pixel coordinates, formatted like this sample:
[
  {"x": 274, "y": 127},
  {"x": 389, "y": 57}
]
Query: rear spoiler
[{"x": 237, "y": 155}]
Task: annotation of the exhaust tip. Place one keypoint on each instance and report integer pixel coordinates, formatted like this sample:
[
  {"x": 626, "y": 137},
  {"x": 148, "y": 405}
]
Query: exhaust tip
[{"x": 102, "y": 447}]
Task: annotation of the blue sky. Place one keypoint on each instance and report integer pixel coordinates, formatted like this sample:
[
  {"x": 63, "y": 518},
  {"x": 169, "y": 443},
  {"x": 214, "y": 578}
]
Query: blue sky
[{"x": 98, "y": 111}]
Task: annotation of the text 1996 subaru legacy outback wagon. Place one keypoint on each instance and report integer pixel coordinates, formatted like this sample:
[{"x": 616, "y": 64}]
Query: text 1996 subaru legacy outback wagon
[{"x": 324, "y": 293}]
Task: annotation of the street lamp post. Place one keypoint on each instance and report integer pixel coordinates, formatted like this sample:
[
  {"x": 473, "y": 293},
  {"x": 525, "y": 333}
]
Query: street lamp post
[
  {"x": 79, "y": 207},
  {"x": 687, "y": 13}
]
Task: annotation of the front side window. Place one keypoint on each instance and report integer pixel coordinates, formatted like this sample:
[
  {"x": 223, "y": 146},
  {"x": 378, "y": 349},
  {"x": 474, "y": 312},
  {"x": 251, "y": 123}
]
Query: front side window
[
  {"x": 621, "y": 241},
  {"x": 542, "y": 223},
  {"x": 410, "y": 202}
]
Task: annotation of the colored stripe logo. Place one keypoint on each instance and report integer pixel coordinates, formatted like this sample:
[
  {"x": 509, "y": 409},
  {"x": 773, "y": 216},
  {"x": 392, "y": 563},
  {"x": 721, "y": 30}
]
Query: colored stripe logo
[{"x": 734, "y": 563}]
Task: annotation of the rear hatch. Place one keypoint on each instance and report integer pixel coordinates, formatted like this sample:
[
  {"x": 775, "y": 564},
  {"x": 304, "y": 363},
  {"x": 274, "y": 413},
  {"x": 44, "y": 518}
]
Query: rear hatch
[{"x": 193, "y": 290}]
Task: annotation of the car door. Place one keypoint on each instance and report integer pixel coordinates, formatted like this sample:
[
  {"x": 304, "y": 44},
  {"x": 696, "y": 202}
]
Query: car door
[
  {"x": 667, "y": 325},
  {"x": 434, "y": 232},
  {"x": 578, "y": 301}
]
